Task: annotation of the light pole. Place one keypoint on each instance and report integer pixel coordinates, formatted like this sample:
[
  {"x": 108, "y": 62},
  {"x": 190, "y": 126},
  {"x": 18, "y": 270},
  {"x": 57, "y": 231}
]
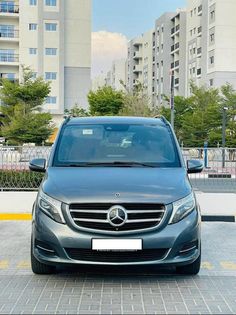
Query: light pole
[
  {"x": 172, "y": 98},
  {"x": 223, "y": 135}
]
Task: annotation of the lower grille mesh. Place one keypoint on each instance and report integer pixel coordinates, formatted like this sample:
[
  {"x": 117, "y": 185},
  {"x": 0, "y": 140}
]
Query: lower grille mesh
[{"x": 119, "y": 257}]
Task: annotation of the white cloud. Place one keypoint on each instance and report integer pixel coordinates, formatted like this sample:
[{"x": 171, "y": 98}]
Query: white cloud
[{"x": 106, "y": 47}]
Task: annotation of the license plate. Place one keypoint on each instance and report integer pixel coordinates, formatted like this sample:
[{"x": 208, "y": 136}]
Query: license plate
[{"x": 117, "y": 244}]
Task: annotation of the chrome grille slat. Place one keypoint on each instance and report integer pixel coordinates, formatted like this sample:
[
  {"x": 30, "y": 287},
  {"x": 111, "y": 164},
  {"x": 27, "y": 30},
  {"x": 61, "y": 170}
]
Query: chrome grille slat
[{"x": 94, "y": 216}]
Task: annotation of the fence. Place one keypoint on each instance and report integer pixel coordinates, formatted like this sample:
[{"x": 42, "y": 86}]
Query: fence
[{"x": 219, "y": 174}]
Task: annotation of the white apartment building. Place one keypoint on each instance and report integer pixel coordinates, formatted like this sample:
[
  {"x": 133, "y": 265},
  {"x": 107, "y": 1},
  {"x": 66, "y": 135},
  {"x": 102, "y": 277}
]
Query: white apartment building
[
  {"x": 169, "y": 54},
  {"x": 140, "y": 62},
  {"x": 211, "y": 44},
  {"x": 53, "y": 37},
  {"x": 152, "y": 56}
]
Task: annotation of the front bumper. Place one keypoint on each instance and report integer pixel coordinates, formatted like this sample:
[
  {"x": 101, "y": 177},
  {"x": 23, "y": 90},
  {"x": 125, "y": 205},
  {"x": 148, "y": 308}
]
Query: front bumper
[{"x": 59, "y": 237}]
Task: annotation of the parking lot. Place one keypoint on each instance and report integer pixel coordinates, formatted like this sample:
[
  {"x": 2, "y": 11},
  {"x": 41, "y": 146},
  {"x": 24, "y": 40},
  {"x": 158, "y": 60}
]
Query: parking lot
[{"x": 118, "y": 290}]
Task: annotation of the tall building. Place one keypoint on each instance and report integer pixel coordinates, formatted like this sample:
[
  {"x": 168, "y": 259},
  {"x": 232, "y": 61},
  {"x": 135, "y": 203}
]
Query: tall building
[
  {"x": 211, "y": 45},
  {"x": 152, "y": 56},
  {"x": 140, "y": 62},
  {"x": 53, "y": 37}
]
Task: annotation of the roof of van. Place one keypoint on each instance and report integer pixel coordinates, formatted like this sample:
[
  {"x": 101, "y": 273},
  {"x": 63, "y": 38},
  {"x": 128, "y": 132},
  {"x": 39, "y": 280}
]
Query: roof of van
[{"x": 116, "y": 120}]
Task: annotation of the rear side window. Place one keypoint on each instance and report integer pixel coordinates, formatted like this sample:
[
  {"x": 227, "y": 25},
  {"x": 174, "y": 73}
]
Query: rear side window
[{"x": 110, "y": 143}]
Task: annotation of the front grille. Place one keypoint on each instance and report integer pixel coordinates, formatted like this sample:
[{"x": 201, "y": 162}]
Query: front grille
[
  {"x": 139, "y": 216},
  {"x": 116, "y": 257}
]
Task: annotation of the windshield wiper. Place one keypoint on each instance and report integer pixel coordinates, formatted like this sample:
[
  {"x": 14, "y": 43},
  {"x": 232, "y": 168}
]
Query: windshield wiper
[{"x": 118, "y": 163}]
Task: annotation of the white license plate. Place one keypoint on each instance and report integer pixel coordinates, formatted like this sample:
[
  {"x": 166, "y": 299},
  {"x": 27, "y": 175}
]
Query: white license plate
[{"x": 117, "y": 244}]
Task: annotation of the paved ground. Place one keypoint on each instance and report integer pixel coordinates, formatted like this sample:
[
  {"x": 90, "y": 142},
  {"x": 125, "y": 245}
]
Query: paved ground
[{"x": 118, "y": 291}]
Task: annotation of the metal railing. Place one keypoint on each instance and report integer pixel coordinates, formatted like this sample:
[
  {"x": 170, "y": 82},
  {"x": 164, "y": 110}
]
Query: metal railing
[
  {"x": 9, "y": 34},
  {"x": 9, "y": 57},
  {"x": 219, "y": 174},
  {"x": 9, "y": 8}
]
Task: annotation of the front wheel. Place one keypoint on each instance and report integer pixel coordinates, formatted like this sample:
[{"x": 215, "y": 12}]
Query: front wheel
[
  {"x": 40, "y": 268},
  {"x": 192, "y": 269}
]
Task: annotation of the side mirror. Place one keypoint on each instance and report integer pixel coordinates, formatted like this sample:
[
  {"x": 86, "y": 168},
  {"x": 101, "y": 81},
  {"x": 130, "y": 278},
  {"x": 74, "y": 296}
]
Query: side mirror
[
  {"x": 38, "y": 165},
  {"x": 194, "y": 166}
]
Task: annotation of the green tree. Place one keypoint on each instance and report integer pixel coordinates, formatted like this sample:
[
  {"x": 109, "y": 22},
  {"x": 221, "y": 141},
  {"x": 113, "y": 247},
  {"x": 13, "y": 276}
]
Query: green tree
[
  {"x": 137, "y": 102},
  {"x": 77, "y": 111},
  {"x": 105, "y": 101},
  {"x": 228, "y": 100},
  {"x": 21, "y": 106}
]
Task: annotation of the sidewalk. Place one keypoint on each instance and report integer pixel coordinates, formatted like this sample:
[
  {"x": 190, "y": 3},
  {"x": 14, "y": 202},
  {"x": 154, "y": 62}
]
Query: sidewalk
[{"x": 211, "y": 203}]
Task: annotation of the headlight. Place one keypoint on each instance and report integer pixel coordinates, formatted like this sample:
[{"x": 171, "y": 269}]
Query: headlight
[
  {"x": 51, "y": 207},
  {"x": 182, "y": 208}
]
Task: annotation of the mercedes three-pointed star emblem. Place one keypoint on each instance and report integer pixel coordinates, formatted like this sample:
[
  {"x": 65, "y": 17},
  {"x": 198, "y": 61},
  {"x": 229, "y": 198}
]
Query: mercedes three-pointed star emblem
[{"x": 117, "y": 216}]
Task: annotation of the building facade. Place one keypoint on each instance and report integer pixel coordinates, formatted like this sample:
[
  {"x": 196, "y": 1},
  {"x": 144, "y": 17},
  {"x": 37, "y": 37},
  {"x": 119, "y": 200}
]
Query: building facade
[
  {"x": 211, "y": 45},
  {"x": 53, "y": 38},
  {"x": 140, "y": 62}
]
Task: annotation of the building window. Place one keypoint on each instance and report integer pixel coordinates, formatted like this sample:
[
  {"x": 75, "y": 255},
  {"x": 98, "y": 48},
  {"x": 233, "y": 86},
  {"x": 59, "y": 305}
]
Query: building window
[
  {"x": 194, "y": 70},
  {"x": 32, "y": 26},
  {"x": 52, "y": 27},
  {"x": 33, "y": 2},
  {"x": 51, "y": 100},
  {"x": 212, "y": 60},
  {"x": 33, "y": 51},
  {"x": 34, "y": 75},
  {"x": 51, "y": 51},
  {"x": 212, "y": 13},
  {"x": 211, "y": 82},
  {"x": 199, "y": 71},
  {"x": 51, "y": 3},
  {"x": 50, "y": 75}
]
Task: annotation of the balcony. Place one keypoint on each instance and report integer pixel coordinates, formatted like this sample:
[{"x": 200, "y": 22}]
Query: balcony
[
  {"x": 175, "y": 30},
  {"x": 137, "y": 55},
  {"x": 4, "y": 76},
  {"x": 9, "y": 9},
  {"x": 9, "y": 35},
  {"x": 199, "y": 52},
  {"x": 199, "y": 72},
  {"x": 9, "y": 59},
  {"x": 199, "y": 31},
  {"x": 177, "y": 82},
  {"x": 175, "y": 64},
  {"x": 175, "y": 47},
  {"x": 137, "y": 68},
  {"x": 199, "y": 13}
]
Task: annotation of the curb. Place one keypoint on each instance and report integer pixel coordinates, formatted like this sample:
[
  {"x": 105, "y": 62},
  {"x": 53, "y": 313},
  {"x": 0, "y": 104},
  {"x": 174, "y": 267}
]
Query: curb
[{"x": 218, "y": 218}]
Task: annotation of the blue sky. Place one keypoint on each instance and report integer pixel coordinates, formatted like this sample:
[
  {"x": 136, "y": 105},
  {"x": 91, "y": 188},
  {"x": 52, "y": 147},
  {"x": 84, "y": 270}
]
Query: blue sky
[{"x": 130, "y": 17}]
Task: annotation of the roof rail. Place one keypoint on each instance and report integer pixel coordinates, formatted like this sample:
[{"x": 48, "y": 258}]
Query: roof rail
[
  {"x": 67, "y": 119},
  {"x": 166, "y": 122}
]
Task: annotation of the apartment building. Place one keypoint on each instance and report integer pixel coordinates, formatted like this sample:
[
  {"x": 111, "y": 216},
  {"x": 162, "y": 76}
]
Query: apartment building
[
  {"x": 140, "y": 62},
  {"x": 53, "y": 37},
  {"x": 152, "y": 56},
  {"x": 211, "y": 45}
]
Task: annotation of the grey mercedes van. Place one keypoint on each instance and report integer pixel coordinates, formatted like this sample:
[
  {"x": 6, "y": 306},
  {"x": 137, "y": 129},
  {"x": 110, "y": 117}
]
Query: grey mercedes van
[{"x": 116, "y": 192}]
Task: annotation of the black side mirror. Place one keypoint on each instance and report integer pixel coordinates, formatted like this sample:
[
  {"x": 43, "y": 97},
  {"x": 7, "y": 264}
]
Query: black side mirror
[
  {"x": 38, "y": 165},
  {"x": 194, "y": 166}
]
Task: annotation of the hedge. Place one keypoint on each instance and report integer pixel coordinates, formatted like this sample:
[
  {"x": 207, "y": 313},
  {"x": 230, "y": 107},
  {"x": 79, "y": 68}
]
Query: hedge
[{"x": 19, "y": 180}]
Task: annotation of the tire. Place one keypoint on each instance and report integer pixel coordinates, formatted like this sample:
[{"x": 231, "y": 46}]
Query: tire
[
  {"x": 192, "y": 269},
  {"x": 39, "y": 268}
]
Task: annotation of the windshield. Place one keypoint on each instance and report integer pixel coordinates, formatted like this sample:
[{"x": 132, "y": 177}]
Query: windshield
[{"x": 116, "y": 144}]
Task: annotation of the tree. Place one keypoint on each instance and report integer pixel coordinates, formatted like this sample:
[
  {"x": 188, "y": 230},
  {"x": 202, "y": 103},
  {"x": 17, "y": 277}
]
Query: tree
[
  {"x": 21, "y": 106},
  {"x": 105, "y": 101},
  {"x": 77, "y": 111},
  {"x": 182, "y": 107},
  {"x": 137, "y": 102},
  {"x": 228, "y": 100}
]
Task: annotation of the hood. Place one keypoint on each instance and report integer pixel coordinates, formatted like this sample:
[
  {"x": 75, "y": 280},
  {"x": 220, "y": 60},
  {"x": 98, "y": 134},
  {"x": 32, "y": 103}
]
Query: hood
[{"x": 101, "y": 184}]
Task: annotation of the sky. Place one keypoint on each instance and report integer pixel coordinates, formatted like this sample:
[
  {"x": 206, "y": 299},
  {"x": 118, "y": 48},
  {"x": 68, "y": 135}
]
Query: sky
[{"x": 115, "y": 22}]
